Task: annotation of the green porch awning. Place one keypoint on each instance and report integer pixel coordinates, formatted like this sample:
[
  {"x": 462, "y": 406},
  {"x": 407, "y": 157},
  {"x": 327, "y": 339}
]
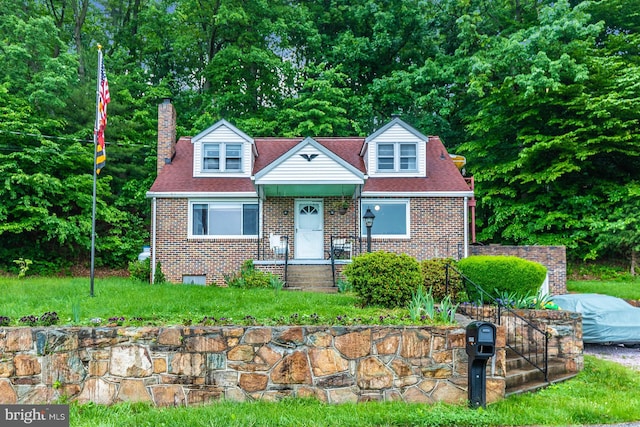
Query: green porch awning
[{"x": 307, "y": 190}]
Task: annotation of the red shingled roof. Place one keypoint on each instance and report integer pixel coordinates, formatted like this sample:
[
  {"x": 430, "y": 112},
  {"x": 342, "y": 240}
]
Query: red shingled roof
[
  {"x": 178, "y": 176},
  {"x": 442, "y": 174}
]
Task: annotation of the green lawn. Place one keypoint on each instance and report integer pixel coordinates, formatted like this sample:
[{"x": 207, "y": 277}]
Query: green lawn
[
  {"x": 139, "y": 303},
  {"x": 143, "y": 304},
  {"x": 627, "y": 289},
  {"x": 603, "y": 393}
]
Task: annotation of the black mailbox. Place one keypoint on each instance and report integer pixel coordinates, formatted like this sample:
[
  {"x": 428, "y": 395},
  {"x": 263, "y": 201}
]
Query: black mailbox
[
  {"x": 481, "y": 345},
  {"x": 481, "y": 340}
]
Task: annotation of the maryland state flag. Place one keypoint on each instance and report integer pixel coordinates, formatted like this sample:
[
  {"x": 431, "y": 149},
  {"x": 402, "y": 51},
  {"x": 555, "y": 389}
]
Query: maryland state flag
[{"x": 103, "y": 98}]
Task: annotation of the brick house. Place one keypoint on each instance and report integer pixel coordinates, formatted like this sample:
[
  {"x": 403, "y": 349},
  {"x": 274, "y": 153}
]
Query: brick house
[{"x": 222, "y": 197}]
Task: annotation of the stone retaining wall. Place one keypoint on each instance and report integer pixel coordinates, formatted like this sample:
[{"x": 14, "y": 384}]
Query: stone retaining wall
[
  {"x": 193, "y": 365},
  {"x": 563, "y": 328}
]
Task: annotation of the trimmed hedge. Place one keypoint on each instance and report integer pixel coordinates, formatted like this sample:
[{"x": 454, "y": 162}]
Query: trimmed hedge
[
  {"x": 384, "y": 278},
  {"x": 499, "y": 274}
]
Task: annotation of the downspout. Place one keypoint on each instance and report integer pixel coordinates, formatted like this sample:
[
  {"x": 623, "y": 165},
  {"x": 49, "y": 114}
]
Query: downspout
[
  {"x": 358, "y": 222},
  {"x": 466, "y": 226},
  {"x": 260, "y": 221},
  {"x": 153, "y": 240}
]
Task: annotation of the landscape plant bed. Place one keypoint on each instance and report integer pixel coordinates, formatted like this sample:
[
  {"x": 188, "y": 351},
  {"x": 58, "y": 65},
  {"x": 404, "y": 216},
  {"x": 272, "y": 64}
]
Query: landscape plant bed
[{"x": 123, "y": 302}]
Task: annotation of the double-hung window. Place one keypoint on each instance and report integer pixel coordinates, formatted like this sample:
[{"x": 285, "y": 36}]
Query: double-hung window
[
  {"x": 391, "y": 217},
  {"x": 222, "y": 157},
  {"x": 397, "y": 157},
  {"x": 224, "y": 219}
]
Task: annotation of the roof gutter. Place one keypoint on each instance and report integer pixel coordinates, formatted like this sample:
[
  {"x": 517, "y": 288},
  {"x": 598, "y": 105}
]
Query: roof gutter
[
  {"x": 185, "y": 195},
  {"x": 417, "y": 194}
]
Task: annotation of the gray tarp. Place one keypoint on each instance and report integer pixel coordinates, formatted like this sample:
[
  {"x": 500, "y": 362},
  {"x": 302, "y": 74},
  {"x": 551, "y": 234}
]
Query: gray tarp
[{"x": 605, "y": 319}]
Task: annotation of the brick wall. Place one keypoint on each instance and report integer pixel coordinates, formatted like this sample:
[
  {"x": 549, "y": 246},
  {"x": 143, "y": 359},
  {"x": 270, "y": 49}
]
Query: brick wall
[
  {"x": 166, "y": 133},
  {"x": 552, "y": 257},
  {"x": 437, "y": 230},
  {"x": 180, "y": 255}
]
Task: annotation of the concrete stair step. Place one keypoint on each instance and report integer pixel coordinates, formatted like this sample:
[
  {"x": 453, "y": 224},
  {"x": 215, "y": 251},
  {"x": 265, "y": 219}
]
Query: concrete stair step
[
  {"x": 320, "y": 289},
  {"x": 310, "y": 278},
  {"x": 309, "y": 285},
  {"x": 525, "y": 373},
  {"x": 537, "y": 385}
]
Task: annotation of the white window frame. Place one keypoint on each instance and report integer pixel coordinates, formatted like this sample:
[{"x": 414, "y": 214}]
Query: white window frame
[
  {"x": 239, "y": 203},
  {"x": 396, "y": 157},
  {"x": 222, "y": 156},
  {"x": 365, "y": 203}
]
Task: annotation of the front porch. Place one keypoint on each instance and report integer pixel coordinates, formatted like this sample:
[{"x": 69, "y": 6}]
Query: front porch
[{"x": 309, "y": 274}]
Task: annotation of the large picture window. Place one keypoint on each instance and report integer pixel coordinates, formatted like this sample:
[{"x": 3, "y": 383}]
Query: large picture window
[
  {"x": 397, "y": 157},
  {"x": 224, "y": 219},
  {"x": 222, "y": 157},
  {"x": 392, "y": 218}
]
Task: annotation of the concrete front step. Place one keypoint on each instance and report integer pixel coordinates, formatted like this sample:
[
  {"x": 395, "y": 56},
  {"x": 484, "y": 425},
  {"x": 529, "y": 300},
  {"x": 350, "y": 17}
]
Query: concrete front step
[
  {"x": 522, "y": 376},
  {"x": 537, "y": 385},
  {"x": 310, "y": 278},
  {"x": 325, "y": 289}
]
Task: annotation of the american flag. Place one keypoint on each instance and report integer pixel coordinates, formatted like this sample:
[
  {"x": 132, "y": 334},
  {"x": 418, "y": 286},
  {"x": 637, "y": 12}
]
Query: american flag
[{"x": 101, "y": 118}]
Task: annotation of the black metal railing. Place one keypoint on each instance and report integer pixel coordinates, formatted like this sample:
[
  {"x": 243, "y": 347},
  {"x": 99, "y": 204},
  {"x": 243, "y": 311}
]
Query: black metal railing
[
  {"x": 522, "y": 336},
  {"x": 342, "y": 247},
  {"x": 275, "y": 250}
]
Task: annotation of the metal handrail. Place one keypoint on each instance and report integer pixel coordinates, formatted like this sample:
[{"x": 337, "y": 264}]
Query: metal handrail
[
  {"x": 333, "y": 251},
  {"x": 263, "y": 243},
  {"x": 286, "y": 258},
  {"x": 515, "y": 338}
]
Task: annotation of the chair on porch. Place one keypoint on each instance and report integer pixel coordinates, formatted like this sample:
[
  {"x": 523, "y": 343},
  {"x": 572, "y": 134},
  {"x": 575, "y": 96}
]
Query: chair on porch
[
  {"x": 342, "y": 247},
  {"x": 278, "y": 245}
]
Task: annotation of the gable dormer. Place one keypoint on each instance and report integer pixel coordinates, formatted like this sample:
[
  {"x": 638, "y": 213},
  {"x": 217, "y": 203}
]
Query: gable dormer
[
  {"x": 395, "y": 150},
  {"x": 223, "y": 151}
]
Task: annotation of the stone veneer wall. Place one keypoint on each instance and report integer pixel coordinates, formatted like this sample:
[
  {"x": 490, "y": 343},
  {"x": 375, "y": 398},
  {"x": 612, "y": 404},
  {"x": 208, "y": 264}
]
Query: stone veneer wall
[
  {"x": 194, "y": 365},
  {"x": 552, "y": 257},
  {"x": 564, "y": 329}
]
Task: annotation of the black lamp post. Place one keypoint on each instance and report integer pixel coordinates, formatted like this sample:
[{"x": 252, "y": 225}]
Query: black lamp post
[{"x": 368, "y": 218}]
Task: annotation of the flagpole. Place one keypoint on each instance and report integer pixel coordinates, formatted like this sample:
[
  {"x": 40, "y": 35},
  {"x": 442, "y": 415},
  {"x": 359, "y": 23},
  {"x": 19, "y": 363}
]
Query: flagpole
[{"x": 95, "y": 174}]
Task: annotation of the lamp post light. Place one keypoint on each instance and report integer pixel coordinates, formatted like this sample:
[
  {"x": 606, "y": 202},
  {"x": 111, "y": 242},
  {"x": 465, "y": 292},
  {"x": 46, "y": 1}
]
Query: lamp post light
[{"x": 368, "y": 218}]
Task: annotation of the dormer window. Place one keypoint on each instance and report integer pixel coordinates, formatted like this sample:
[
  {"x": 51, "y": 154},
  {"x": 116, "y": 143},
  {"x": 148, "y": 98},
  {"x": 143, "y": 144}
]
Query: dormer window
[
  {"x": 397, "y": 157},
  {"x": 222, "y": 157}
]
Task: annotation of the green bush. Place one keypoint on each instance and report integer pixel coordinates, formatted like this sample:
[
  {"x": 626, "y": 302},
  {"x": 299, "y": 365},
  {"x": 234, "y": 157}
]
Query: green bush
[
  {"x": 140, "y": 270},
  {"x": 502, "y": 274},
  {"x": 248, "y": 277},
  {"x": 435, "y": 278},
  {"x": 383, "y": 278}
]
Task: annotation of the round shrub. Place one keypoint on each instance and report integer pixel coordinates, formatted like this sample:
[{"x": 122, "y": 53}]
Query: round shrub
[
  {"x": 383, "y": 278},
  {"x": 499, "y": 274},
  {"x": 435, "y": 278}
]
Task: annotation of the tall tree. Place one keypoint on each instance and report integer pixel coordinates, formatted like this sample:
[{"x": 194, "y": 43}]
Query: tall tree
[{"x": 555, "y": 128}]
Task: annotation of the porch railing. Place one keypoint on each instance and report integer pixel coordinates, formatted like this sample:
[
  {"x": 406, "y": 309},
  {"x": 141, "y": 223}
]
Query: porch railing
[
  {"x": 270, "y": 250},
  {"x": 522, "y": 336},
  {"x": 343, "y": 247}
]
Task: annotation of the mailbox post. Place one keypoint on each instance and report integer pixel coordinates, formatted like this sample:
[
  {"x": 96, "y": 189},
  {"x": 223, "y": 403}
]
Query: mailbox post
[{"x": 481, "y": 345}]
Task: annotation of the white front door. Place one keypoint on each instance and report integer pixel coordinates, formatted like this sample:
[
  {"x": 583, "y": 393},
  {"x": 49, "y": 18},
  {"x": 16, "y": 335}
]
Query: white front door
[{"x": 309, "y": 238}]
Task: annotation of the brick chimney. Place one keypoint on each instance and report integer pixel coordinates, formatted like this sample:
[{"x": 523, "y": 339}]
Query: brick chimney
[{"x": 166, "y": 133}]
